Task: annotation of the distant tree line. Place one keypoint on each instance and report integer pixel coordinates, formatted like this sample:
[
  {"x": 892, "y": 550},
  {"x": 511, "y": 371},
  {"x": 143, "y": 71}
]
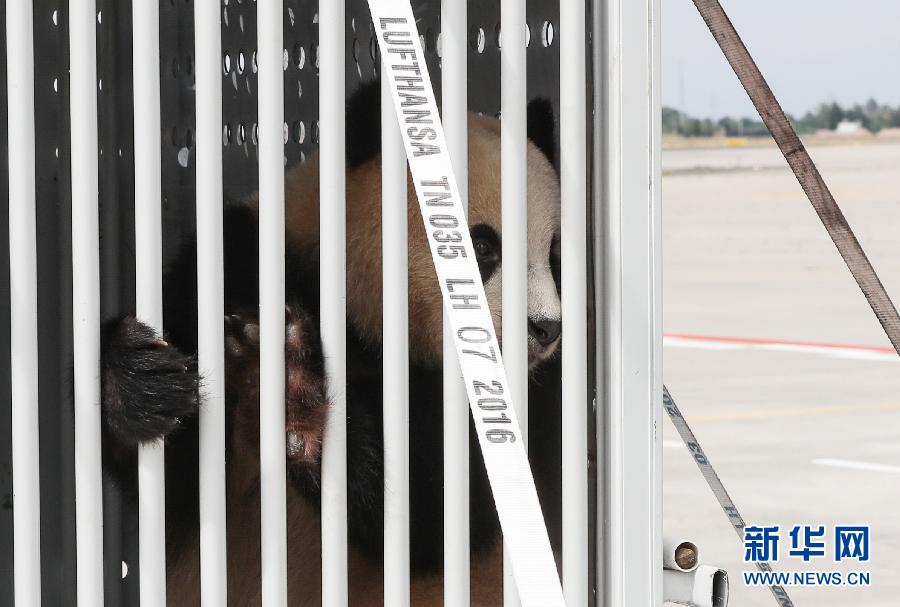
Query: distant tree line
[{"x": 871, "y": 115}]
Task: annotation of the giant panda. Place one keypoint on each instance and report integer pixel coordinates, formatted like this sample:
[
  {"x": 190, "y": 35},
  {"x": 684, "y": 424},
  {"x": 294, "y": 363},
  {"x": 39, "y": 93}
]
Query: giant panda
[{"x": 152, "y": 391}]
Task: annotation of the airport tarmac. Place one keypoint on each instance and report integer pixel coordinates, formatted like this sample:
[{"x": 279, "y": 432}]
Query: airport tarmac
[{"x": 776, "y": 360}]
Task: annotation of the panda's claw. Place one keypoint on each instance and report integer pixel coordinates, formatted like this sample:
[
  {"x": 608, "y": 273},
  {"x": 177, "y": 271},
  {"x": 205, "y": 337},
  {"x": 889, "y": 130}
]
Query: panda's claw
[
  {"x": 251, "y": 333},
  {"x": 305, "y": 401},
  {"x": 148, "y": 385}
]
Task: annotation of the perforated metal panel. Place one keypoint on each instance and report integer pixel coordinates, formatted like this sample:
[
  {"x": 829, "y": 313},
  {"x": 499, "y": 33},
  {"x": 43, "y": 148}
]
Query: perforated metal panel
[{"x": 239, "y": 142}]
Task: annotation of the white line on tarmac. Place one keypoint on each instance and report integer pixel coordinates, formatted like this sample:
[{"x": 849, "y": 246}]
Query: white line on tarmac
[{"x": 851, "y": 465}]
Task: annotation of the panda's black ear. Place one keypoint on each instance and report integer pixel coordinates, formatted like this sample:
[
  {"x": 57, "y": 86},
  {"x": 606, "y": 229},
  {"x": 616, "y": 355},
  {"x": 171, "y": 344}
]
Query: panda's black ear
[
  {"x": 542, "y": 127},
  {"x": 363, "y": 133}
]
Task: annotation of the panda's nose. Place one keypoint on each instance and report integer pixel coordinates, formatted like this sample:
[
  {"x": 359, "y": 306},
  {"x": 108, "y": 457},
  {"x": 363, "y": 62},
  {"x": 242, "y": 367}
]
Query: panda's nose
[{"x": 544, "y": 331}]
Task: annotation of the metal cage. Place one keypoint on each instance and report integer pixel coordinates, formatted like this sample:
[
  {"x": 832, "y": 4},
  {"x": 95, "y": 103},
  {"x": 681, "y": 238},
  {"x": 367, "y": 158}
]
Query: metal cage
[{"x": 603, "y": 511}]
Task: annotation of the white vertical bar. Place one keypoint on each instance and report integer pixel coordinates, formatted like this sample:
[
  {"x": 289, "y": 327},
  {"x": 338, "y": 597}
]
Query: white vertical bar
[
  {"x": 607, "y": 227},
  {"x": 573, "y": 241},
  {"x": 210, "y": 302},
  {"x": 600, "y": 168},
  {"x": 333, "y": 295},
  {"x": 23, "y": 303},
  {"x": 514, "y": 201},
  {"x": 148, "y": 283},
  {"x": 631, "y": 211},
  {"x": 396, "y": 354},
  {"x": 454, "y": 87},
  {"x": 86, "y": 300},
  {"x": 270, "y": 34}
]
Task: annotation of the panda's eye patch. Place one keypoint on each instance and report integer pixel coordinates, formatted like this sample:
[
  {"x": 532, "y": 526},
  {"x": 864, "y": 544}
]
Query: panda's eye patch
[
  {"x": 486, "y": 242},
  {"x": 487, "y": 249},
  {"x": 555, "y": 268}
]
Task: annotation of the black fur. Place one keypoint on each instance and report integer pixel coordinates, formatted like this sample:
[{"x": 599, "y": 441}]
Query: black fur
[
  {"x": 363, "y": 126},
  {"x": 542, "y": 127},
  {"x": 488, "y": 249},
  {"x": 148, "y": 386},
  {"x": 556, "y": 263}
]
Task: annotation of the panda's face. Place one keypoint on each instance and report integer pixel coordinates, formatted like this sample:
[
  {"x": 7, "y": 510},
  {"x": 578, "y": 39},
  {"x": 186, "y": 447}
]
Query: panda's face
[
  {"x": 544, "y": 314},
  {"x": 544, "y": 323},
  {"x": 364, "y": 287}
]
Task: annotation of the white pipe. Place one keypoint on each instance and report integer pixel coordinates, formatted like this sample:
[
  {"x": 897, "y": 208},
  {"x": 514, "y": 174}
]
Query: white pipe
[
  {"x": 333, "y": 294},
  {"x": 680, "y": 554},
  {"x": 454, "y": 102},
  {"x": 600, "y": 167},
  {"x": 703, "y": 587},
  {"x": 148, "y": 284},
  {"x": 396, "y": 354},
  {"x": 23, "y": 303},
  {"x": 273, "y": 491},
  {"x": 628, "y": 220},
  {"x": 210, "y": 302},
  {"x": 86, "y": 300},
  {"x": 608, "y": 302},
  {"x": 514, "y": 228},
  {"x": 573, "y": 181}
]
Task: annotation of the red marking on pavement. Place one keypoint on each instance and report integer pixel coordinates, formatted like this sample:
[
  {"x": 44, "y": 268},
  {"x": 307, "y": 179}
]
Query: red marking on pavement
[{"x": 750, "y": 341}]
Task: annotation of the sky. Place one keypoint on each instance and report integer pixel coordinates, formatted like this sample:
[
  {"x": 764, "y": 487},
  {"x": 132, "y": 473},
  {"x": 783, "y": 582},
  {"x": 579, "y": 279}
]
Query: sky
[{"x": 810, "y": 51}]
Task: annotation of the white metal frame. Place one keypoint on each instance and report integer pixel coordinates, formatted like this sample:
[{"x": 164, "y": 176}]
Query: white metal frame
[
  {"x": 333, "y": 298},
  {"x": 148, "y": 284},
  {"x": 626, "y": 227},
  {"x": 454, "y": 75},
  {"x": 395, "y": 357},
  {"x": 86, "y": 300},
  {"x": 210, "y": 302},
  {"x": 272, "y": 443},
  {"x": 627, "y": 221},
  {"x": 573, "y": 248},
  {"x": 514, "y": 212},
  {"x": 23, "y": 303}
]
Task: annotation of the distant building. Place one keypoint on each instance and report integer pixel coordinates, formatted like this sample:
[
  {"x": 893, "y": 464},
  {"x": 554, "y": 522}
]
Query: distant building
[{"x": 848, "y": 127}]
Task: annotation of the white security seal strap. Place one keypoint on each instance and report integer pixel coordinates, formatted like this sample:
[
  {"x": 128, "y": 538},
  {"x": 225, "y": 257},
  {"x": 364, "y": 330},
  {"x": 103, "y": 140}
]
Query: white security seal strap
[
  {"x": 460, "y": 281},
  {"x": 715, "y": 484}
]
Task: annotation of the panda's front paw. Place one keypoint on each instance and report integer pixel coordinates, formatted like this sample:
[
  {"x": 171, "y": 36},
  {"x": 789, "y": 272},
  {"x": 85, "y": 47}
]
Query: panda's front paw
[
  {"x": 305, "y": 394},
  {"x": 149, "y": 387}
]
